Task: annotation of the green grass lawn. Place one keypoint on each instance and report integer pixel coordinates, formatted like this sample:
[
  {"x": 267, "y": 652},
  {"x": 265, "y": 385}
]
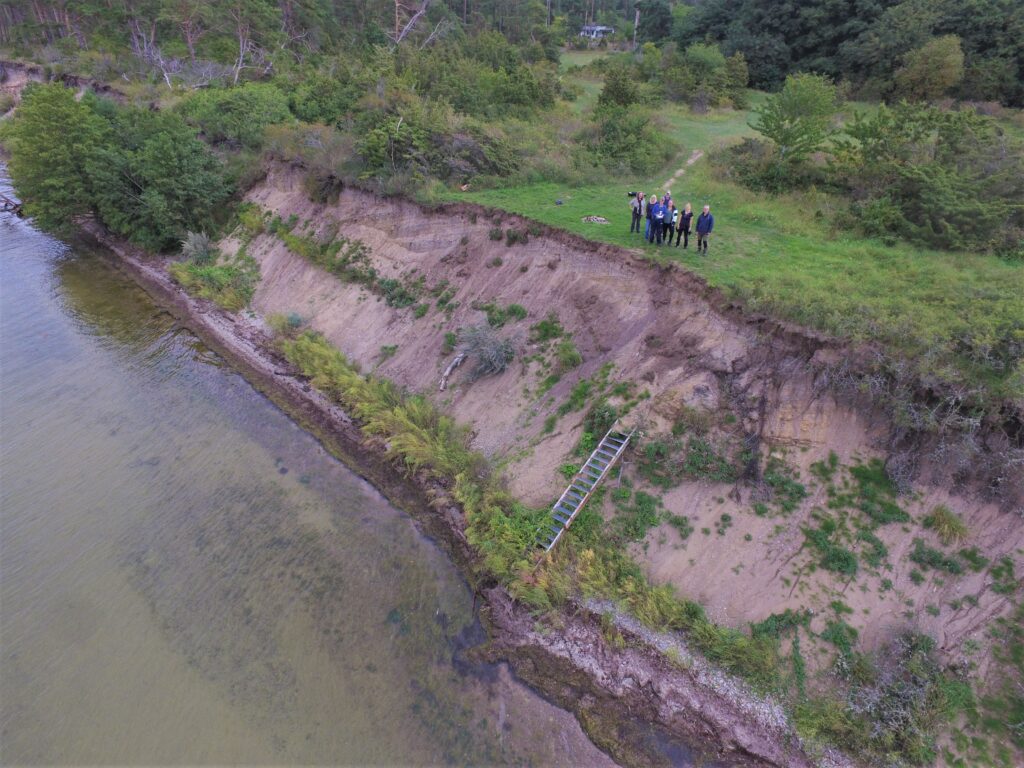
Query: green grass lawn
[
  {"x": 783, "y": 255},
  {"x": 579, "y": 58}
]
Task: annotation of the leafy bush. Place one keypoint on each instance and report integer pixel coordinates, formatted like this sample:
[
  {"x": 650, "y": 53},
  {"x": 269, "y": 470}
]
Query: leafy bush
[
  {"x": 627, "y": 139},
  {"x": 681, "y": 523},
  {"x": 497, "y": 316},
  {"x": 834, "y": 557},
  {"x": 787, "y": 491},
  {"x": 841, "y": 635},
  {"x": 577, "y": 397},
  {"x": 236, "y": 115},
  {"x": 929, "y": 557},
  {"x": 974, "y": 559},
  {"x": 230, "y": 286},
  {"x": 566, "y": 355},
  {"x": 703, "y": 461},
  {"x": 876, "y": 552},
  {"x": 874, "y": 494},
  {"x": 288, "y": 326},
  {"x": 633, "y": 520},
  {"x": 325, "y": 97},
  {"x": 513, "y": 236},
  {"x": 1004, "y": 582},
  {"x": 547, "y": 329}
]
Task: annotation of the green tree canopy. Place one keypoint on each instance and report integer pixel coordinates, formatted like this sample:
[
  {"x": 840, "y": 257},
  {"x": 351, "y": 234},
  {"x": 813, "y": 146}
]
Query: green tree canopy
[
  {"x": 932, "y": 70},
  {"x": 51, "y": 139},
  {"x": 236, "y": 115},
  {"x": 619, "y": 89},
  {"x": 797, "y": 119},
  {"x": 157, "y": 182}
]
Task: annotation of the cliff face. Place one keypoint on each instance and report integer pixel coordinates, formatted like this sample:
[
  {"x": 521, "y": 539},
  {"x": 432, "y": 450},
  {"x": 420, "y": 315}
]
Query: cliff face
[
  {"x": 681, "y": 352},
  {"x": 634, "y": 701}
]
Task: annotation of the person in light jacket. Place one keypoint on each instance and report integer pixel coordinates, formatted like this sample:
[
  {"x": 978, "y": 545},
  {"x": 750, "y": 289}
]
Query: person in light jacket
[
  {"x": 636, "y": 203},
  {"x": 705, "y": 223}
]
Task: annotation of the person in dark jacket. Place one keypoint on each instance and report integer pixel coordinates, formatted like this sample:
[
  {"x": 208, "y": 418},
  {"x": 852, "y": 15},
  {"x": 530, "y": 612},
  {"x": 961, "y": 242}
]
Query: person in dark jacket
[
  {"x": 647, "y": 213},
  {"x": 683, "y": 225},
  {"x": 657, "y": 222},
  {"x": 705, "y": 223},
  {"x": 671, "y": 214},
  {"x": 636, "y": 204}
]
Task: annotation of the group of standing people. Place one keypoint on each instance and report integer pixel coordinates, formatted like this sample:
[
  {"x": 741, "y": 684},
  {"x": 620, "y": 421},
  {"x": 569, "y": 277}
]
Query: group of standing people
[{"x": 665, "y": 220}]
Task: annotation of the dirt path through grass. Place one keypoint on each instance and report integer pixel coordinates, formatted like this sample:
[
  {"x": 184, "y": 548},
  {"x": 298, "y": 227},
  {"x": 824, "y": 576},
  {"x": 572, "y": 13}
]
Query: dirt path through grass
[{"x": 696, "y": 155}]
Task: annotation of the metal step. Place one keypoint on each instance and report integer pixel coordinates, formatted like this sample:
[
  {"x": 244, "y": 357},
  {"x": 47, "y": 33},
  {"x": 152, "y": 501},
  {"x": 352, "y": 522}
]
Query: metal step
[{"x": 582, "y": 486}]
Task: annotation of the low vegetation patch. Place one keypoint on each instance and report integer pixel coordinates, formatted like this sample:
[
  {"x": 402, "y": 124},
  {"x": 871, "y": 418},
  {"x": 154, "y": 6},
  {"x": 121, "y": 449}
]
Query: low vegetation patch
[
  {"x": 228, "y": 282},
  {"x": 834, "y": 556},
  {"x": 946, "y": 524}
]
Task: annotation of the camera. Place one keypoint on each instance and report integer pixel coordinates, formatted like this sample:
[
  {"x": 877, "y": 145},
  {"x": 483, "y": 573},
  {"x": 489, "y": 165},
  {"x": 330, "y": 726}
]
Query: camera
[{"x": 631, "y": 194}]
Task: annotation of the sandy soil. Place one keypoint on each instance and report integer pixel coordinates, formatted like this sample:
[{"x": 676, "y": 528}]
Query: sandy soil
[{"x": 663, "y": 330}]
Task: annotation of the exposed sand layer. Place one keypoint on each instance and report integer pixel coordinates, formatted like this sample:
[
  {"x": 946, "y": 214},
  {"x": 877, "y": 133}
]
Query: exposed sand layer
[{"x": 666, "y": 331}]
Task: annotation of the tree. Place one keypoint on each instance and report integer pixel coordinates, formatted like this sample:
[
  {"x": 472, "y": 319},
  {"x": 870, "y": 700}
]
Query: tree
[
  {"x": 619, "y": 89},
  {"x": 253, "y": 24},
  {"x": 655, "y": 20},
  {"x": 932, "y": 70},
  {"x": 190, "y": 17},
  {"x": 236, "y": 115},
  {"x": 51, "y": 139},
  {"x": 950, "y": 179},
  {"x": 797, "y": 119},
  {"x": 737, "y": 77},
  {"x": 157, "y": 181}
]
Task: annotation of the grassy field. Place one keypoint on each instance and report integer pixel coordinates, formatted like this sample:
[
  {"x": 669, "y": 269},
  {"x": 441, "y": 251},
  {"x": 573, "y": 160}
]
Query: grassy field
[
  {"x": 784, "y": 255},
  {"x": 579, "y": 58}
]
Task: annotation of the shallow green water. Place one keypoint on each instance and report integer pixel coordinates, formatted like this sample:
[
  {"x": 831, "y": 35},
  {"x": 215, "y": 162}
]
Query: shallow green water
[{"x": 188, "y": 578}]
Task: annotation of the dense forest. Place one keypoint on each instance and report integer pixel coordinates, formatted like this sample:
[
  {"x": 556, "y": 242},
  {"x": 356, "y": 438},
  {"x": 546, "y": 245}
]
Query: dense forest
[{"x": 871, "y": 46}]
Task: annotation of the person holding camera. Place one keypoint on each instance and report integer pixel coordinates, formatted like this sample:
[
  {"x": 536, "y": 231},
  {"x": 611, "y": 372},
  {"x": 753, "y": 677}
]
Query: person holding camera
[{"x": 637, "y": 206}]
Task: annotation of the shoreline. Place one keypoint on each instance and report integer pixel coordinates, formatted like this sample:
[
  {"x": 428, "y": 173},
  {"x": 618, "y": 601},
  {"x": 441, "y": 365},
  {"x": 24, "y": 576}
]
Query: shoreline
[{"x": 618, "y": 695}]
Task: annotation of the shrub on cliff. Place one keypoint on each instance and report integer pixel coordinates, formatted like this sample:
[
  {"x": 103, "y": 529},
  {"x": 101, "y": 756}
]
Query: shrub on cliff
[{"x": 197, "y": 247}]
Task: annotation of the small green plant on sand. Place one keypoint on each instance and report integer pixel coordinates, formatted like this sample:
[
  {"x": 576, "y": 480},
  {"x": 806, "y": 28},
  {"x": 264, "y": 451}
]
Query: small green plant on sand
[{"x": 946, "y": 524}]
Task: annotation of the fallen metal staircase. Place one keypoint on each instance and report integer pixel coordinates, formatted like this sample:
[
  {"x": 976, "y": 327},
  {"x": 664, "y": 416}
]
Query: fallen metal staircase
[{"x": 590, "y": 475}]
